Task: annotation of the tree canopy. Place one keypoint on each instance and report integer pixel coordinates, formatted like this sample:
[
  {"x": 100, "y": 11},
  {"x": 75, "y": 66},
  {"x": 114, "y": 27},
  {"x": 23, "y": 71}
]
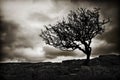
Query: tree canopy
[{"x": 78, "y": 29}]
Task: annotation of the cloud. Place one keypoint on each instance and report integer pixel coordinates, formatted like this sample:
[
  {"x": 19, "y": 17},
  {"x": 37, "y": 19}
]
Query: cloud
[
  {"x": 111, "y": 34},
  {"x": 39, "y": 17},
  {"x": 52, "y": 52},
  {"x": 22, "y": 20},
  {"x": 110, "y": 37}
]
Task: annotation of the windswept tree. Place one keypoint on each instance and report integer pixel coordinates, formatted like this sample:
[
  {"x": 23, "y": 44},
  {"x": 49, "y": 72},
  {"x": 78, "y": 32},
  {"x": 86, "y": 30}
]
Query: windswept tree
[{"x": 76, "y": 31}]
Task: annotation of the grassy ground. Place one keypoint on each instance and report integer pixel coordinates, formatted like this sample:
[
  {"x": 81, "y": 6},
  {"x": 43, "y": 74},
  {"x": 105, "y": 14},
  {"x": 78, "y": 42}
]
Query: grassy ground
[{"x": 101, "y": 68}]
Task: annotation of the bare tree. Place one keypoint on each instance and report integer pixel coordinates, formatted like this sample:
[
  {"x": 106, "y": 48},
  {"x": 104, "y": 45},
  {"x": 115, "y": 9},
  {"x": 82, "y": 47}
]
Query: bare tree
[{"x": 75, "y": 32}]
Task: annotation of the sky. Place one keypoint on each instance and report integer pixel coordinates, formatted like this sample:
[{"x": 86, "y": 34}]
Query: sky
[{"x": 22, "y": 20}]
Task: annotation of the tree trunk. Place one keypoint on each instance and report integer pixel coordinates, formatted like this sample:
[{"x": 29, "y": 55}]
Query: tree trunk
[{"x": 88, "y": 53}]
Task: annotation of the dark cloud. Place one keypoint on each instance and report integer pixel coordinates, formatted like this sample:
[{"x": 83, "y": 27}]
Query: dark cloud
[
  {"x": 111, "y": 37},
  {"x": 14, "y": 43},
  {"x": 7, "y": 35},
  {"x": 8, "y": 30},
  {"x": 109, "y": 8},
  {"x": 112, "y": 30}
]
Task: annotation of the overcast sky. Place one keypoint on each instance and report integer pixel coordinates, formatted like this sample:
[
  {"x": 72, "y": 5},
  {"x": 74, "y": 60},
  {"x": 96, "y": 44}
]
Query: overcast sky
[{"x": 22, "y": 20}]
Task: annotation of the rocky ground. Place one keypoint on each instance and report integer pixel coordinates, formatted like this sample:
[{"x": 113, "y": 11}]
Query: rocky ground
[{"x": 104, "y": 67}]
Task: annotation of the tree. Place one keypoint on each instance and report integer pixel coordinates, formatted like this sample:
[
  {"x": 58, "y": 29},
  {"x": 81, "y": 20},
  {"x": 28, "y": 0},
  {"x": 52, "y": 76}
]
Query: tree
[{"x": 76, "y": 31}]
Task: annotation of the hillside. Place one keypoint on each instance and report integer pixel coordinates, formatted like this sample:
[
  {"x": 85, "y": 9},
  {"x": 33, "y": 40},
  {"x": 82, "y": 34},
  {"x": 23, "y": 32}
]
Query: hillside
[{"x": 104, "y": 67}]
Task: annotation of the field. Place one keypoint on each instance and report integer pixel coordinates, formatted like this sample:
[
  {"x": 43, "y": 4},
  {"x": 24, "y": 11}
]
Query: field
[{"x": 104, "y": 67}]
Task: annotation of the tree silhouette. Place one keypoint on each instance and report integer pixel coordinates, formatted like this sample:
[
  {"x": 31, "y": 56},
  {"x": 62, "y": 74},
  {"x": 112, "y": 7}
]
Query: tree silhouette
[{"x": 76, "y": 31}]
